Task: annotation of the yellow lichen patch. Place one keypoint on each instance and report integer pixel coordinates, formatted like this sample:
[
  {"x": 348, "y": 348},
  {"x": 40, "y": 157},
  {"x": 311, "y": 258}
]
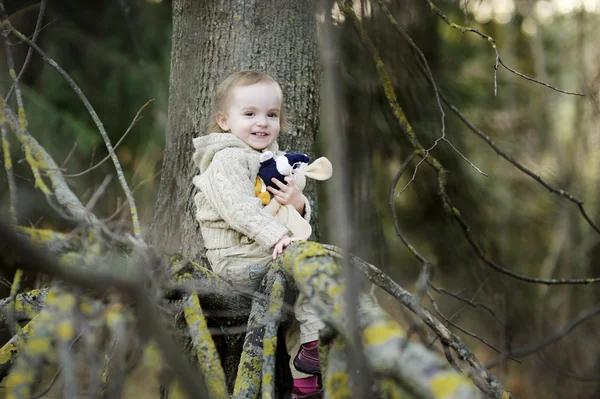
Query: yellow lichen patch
[
  {"x": 247, "y": 373},
  {"x": 17, "y": 379},
  {"x": 335, "y": 290},
  {"x": 152, "y": 357},
  {"x": 304, "y": 270},
  {"x": 16, "y": 282},
  {"x": 390, "y": 389},
  {"x": 269, "y": 346},
  {"x": 66, "y": 302},
  {"x": 65, "y": 330},
  {"x": 114, "y": 315},
  {"x": 338, "y": 309},
  {"x": 506, "y": 395},
  {"x": 86, "y": 307},
  {"x": 41, "y": 236},
  {"x": 381, "y": 333},
  {"x": 52, "y": 298},
  {"x": 446, "y": 384},
  {"x": 208, "y": 357},
  {"x": 6, "y": 152},
  {"x": 267, "y": 379},
  {"x": 191, "y": 313},
  {"x": 38, "y": 344},
  {"x": 7, "y": 353},
  {"x": 337, "y": 386}
]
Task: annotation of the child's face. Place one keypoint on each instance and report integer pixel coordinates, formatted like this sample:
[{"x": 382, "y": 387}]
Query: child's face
[{"x": 253, "y": 114}]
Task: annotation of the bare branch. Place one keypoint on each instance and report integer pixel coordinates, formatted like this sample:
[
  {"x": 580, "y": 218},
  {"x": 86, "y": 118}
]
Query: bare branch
[
  {"x": 40, "y": 158},
  {"x": 18, "y": 254},
  {"x": 421, "y": 56},
  {"x": 450, "y": 322},
  {"x": 518, "y": 165},
  {"x": 136, "y": 119},
  {"x": 467, "y": 301},
  {"x": 8, "y": 167},
  {"x": 7, "y": 25},
  {"x": 71, "y": 152},
  {"x": 492, "y": 42},
  {"x": 98, "y": 193},
  {"x": 36, "y": 33},
  {"x": 480, "y": 375},
  {"x": 553, "y": 338},
  {"x": 384, "y": 355},
  {"x": 392, "y": 205}
]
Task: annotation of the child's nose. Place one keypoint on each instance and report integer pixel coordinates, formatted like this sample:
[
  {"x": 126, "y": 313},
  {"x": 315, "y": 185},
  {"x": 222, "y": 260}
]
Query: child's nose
[{"x": 261, "y": 121}]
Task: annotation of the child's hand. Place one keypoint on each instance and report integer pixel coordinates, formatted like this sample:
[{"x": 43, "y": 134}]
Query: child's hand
[
  {"x": 281, "y": 244},
  {"x": 288, "y": 194}
]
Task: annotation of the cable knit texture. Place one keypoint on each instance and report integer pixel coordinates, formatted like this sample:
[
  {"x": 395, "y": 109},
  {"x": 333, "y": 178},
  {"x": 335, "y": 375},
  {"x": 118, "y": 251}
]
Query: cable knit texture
[{"x": 227, "y": 208}]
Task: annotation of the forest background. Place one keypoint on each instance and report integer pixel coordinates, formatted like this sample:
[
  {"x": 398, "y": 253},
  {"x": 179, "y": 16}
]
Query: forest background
[{"x": 119, "y": 54}]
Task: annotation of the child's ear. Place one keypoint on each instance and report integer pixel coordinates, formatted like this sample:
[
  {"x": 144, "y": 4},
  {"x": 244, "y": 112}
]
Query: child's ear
[{"x": 222, "y": 121}]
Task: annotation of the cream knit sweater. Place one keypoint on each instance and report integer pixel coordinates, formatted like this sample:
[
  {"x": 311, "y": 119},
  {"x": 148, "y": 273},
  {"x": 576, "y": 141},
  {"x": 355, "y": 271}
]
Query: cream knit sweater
[{"x": 227, "y": 208}]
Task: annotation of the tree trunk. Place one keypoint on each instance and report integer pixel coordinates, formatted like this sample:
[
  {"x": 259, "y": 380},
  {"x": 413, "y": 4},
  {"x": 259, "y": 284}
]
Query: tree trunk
[{"x": 212, "y": 39}]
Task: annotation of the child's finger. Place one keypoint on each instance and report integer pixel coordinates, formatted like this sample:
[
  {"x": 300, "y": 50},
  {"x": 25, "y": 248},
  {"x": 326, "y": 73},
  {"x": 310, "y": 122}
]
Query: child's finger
[{"x": 279, "y": 184}]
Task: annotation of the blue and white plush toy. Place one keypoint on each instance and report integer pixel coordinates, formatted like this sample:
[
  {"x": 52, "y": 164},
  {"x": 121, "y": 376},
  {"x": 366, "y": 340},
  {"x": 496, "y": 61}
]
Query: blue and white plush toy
[{"x": 279, "y": 167}]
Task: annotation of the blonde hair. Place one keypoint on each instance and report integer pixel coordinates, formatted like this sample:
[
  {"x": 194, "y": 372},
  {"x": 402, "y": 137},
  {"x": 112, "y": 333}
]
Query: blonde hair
[{"x": 223, "y": 96}]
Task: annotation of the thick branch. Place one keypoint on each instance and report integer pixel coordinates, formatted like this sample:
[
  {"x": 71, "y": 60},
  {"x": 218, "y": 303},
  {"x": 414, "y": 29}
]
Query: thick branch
[{"x": 415, "y": 368}]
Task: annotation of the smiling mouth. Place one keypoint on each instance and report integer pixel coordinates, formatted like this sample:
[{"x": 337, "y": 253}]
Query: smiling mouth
[{"x": 260, "y": 134}]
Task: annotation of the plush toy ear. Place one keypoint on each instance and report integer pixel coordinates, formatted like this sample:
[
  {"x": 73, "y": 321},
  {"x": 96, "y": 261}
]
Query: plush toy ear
[
  {"x": 265, "y": 156},
  {"x": 283, "y": 165},
  {"x": 320, "y": 169}
]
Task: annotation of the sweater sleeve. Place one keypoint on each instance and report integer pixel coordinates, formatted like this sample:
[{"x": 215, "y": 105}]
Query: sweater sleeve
[{"x": 226, "y": 185}]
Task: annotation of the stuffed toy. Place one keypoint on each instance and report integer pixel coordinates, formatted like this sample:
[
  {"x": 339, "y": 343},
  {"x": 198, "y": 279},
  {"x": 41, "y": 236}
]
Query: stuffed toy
[{"x": 295, "y": 165}]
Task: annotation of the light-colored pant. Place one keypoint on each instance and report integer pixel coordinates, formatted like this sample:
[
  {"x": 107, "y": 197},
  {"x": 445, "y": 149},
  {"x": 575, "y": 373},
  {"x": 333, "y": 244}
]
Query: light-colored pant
[{"x": 243, "y": 267}]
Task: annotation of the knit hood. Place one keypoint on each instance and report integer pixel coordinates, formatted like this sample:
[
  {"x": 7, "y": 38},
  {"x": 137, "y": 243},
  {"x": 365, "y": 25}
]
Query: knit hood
[{"x": 207, "y": 146}]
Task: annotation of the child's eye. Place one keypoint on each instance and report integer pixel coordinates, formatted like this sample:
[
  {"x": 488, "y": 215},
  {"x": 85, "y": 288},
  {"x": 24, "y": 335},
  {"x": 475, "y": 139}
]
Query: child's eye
[
  {"x": 248, "y": 113},
  {"x": 273, "y": 115}
]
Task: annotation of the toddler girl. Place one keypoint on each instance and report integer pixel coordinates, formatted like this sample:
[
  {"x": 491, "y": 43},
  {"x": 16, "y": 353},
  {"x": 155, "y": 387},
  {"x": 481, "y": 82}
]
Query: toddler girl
[{"x": 241, "y": 238}]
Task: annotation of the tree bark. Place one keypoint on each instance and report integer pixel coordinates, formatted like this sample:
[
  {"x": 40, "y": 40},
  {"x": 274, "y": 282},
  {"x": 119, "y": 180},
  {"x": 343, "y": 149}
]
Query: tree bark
[{"x": 212, "y": 39}]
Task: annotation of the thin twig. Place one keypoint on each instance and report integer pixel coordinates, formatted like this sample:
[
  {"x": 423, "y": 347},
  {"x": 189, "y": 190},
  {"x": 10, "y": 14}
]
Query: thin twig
[
  {"x": 421, "y": 56},
  {"x": 122, "y": 206},
  {"x": 492, "y": 42},
  {"x": 553, "y": 338},
  {"x": 92, "y": 112},
  {"x": 36, "y": 32},
  {"x": 92, "y": 202},
  {"x": 450, "y": 358},
  {"x": 136, "y": 119},
  {"x": 62, "y": 167},
  {"x": 442, "y": 173},
  {"x": 518, "y": 165},
  {"x": 467, "y": 301},
  {"x": 450, "y": 322},
  {"x": 420, "y": 290},
  {"x": 392, "y": 205}
]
